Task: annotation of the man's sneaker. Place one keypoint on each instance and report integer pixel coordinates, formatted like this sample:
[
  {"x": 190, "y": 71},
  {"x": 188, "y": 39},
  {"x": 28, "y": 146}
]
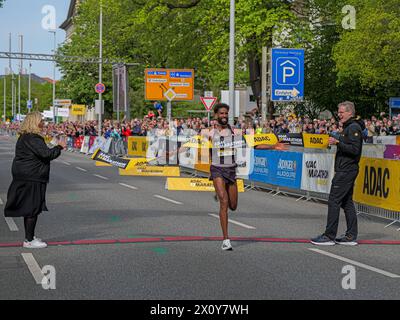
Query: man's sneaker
[
  {"x": 35, "y": 244},
  {"x": 346, "y": 241},
  {"x": 226, "y": 245},
  {"x": 322, "y": 240}
]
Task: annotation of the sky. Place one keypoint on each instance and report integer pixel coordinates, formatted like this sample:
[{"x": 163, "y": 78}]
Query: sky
[{"x": 25, "y": 17}]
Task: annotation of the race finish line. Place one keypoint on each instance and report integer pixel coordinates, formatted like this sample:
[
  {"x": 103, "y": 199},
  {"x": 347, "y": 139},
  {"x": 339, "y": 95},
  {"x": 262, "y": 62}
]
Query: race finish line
[{"x": 189, "y": 238}]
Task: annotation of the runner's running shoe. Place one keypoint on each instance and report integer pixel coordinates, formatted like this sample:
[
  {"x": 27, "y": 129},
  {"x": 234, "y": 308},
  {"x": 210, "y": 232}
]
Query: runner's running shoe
[
  {"x": 226, "y": 245},
  {"x": 35, "y": 244}
]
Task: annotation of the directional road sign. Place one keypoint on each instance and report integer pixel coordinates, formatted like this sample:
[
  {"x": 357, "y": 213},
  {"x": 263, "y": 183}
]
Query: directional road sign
[
  {"x": 287, "y": 75},
  {"x": 169, "y": 84}
]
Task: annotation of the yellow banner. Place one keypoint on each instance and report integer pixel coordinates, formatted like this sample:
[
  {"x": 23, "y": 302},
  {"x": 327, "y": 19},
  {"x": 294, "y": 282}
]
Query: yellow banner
[
  {"x": 195, "y": 184},
  {"x": 378, "y": 183},
  {"x": 263, "y": 138},
  {"x": 102, "y": 164},
  {"x": 138, "y": 162},
  {"x": 151, "y": 171},
  {"x": 78, "y": 110},
  {"x": 137, "y": 146},
  {"x": 198, "y": 142},
  {"x": 316, "y": 141}
]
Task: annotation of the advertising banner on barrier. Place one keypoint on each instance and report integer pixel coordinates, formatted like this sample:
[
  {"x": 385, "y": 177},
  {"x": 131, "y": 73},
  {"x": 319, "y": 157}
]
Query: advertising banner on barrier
[
  {"x": 137, "y": 146},
  {"x": 277, "y": 168},
  {"x": 294, "y": 139},
  {"x": 195, "y": 184},
  {"x": 262, "y": 166},
  {"x": 85, "y": 144},
  {"x": 288, "y": 169},
  {"x": 373, "y": 150},
  {"x": 151, "y": 171},
  {"x": 318, "y": 171},
  {"x": 319, "y": 141},
  {"x": 392, "y": 152},
  {"x": 393, "y": 140},
  {"x": 378, "y": 183},
  {"x": 110, "y": 159},
  {"x": 99, "y": 143},
  {"x": 264, "y": 138}
]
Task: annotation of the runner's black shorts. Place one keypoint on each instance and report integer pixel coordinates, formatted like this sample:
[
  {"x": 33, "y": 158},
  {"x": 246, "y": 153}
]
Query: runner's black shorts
[{"x": 227, "y": 173}]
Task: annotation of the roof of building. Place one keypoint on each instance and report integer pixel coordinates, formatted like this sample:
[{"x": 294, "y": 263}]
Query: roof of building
[{"x": 71, "y": 12}]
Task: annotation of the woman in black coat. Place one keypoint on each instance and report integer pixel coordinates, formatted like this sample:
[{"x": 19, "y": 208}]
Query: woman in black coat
[{"x": 26, "y": 196}]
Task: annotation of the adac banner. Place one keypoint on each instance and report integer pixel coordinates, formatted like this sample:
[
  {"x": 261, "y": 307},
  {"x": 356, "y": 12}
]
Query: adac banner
[
  {"x": 378, "y": 183},
  {"x": 278, "y": 168},
  {"x": 195, "y": 184},
  {"x": 151, "y": 171},
  {"x": 318, "y": 171},
  {"x": 110, "y": 159},
  {"x": 137, "y": 146},
  {"x": 319, "y": 141},
  {"x": 294, "y": 139}
]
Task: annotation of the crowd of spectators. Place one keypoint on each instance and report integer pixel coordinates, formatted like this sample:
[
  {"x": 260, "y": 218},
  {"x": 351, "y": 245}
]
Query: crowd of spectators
[{"x": 279, "y": 125}]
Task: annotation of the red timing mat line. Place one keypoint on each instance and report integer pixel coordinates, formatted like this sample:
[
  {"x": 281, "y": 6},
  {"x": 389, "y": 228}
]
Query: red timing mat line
[{"x": 188, "y": 238}]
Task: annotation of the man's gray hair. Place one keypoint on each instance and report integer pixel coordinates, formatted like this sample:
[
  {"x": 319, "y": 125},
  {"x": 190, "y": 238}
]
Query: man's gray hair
[{"x": 349, "y": 107}]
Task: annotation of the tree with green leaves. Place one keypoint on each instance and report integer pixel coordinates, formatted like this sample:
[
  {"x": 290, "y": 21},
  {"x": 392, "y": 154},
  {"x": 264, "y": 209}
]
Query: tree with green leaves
[
  {"x": 369, "y": 54},
  {"x": 178, "y": 34}
]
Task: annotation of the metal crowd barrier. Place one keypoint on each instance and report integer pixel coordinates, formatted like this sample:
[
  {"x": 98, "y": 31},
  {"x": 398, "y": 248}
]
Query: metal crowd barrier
[{"x": 392, "y": 216}]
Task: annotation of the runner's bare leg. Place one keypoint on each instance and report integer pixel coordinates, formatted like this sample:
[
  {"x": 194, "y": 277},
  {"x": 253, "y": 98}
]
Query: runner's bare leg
[
  {"x": 232, "y": 191},
  {"x": 220, "y": 188}
]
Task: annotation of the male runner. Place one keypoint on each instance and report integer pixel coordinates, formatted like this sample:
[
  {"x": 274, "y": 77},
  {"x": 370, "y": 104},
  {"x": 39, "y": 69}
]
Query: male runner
[{"x": 223, "y": 166}]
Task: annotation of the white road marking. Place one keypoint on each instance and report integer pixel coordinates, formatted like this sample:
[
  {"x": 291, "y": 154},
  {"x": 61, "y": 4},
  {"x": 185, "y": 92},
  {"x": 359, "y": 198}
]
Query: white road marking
[
  {"x": 11, "y": 224},
  {"x": 67, "y": 163},
  {"x": 33, "y": 267},
  {"x": 359, "y": 264},
  {"x": 81, "y": 169},
  {"x": 234, "y": 222},
  {"x": 167, "y": 199},
  {"x": 128, "y": 186},
  {"x": 101, "y": 177}
]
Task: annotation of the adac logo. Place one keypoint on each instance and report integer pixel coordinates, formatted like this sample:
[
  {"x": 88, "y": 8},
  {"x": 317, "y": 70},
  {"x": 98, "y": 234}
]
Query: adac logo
[
  {"x": 261, "y": 139},
  {"x": 376, "y": 181},
  {"x": 315, "y": 140}
]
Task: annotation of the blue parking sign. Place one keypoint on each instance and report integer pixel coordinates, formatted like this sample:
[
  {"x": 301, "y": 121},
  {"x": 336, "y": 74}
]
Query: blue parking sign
[{"x": 287, "y": 74}]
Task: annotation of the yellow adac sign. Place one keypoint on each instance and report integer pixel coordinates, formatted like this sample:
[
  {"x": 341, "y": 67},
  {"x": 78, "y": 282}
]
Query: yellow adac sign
[
  {"x": 195, "y": 184},
  {"x": 176, "y": 84},
  {"x": 151, "y": 171},
  {"x": 102, "y": 164},
  {"x": 137, "y": 146},
  {"x": 263, "y": 138},
  {"x": 316, "y": 141},
  {"x": 78, "y": 110},
  {"x": 138, "y": 162},
  {"x": 378, "y": 183},
  {"x": 198, "y": 142}
]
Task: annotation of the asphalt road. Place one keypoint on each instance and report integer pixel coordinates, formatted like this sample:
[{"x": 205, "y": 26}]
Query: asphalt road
[{"x": 119, "y": 237}]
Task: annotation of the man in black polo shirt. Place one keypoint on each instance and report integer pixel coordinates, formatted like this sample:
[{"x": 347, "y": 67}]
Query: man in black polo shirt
[{"x": 348, "y": 155}]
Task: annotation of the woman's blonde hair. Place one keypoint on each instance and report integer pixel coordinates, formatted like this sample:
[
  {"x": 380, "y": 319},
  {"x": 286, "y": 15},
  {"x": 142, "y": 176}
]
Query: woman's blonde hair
[{"x": 31, "y": 123}]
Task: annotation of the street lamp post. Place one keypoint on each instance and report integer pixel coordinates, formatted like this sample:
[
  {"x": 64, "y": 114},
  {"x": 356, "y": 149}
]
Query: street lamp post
[
  {"x": 19, "y": 76},
  {"x": 54, "y": 78},
  {"x": 100, "y": 68},
  {"x": 5, "y": 93},
  {"x": 232, "y": 64},
  {"x": 29, "y": 86}
]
